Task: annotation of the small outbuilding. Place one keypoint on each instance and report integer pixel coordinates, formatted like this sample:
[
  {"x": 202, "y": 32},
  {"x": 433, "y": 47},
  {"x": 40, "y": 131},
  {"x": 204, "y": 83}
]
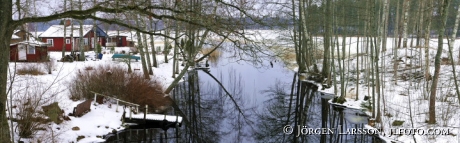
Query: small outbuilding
[{"x": 28, "y": 51}]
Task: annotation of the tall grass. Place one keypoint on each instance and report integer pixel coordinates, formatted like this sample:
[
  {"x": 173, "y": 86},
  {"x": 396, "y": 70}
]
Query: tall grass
[
  {"x": 214, "y": 56},
  {"x": 30, "y": 69}
]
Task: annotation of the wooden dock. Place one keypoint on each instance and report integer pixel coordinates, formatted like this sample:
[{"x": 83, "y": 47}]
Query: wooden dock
[{"x": 153, "y": 121}]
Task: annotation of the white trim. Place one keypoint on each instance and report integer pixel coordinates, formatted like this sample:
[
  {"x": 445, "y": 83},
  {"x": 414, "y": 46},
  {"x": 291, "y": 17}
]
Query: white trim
[
  {"x": 50, "y": 42},
  {"x": 67, "y": 41},
  {"x": 30, "y": 49}
]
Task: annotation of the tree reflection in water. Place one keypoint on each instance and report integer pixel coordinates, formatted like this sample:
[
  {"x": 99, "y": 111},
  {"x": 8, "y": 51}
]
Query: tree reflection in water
[
  {"x": 214, "y": 115},
  {"x": 309, "y": 111}
]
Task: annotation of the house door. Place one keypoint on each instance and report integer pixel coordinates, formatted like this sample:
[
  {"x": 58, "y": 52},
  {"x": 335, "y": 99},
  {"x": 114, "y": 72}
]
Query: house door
[
  {"x": 22, "y": 53},
  {"x": 92, "y": 43}
]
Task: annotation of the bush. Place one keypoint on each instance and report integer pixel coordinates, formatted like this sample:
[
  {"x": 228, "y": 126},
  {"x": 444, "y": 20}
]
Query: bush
[
  {"x": 54, "y": 112},
  {"x": 49, "y": 65},
  {"x": 29, "y": 118},
  {"x": 114, "y": 81},
  {"x": 98, "y": 48},
  {"x": 30, "y": 69}
]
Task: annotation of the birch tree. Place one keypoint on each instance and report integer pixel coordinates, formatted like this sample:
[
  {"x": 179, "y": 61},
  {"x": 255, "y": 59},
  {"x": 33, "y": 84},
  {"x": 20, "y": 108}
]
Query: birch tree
[
  {"x": 451, "y": 46},
  {"x": 437, "y": 62},
  {"x": 406, "y": 7}
]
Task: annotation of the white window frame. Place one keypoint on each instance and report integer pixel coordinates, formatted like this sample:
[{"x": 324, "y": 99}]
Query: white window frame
[
  {"x": 85, "y": 41},
  {"x": 67, "y": 41},
  {"x": 30, "y": 49},
  {"x": 50, "y": 42}
]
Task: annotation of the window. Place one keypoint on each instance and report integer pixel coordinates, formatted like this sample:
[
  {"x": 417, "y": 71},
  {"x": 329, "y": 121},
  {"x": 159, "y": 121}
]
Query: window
[
  {"x": 67, "y": 41},
  {"x": 30, "y": 49},
  {"x": 85, "y": 41},
  {"x": 50, "y": 42}
]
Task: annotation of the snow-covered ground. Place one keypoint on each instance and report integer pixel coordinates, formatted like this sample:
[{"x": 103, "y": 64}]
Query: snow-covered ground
[
  {"x": 408, "y": 100},
  {"x": 402, "y": 101},
  {"x": 100, "y": 121}
]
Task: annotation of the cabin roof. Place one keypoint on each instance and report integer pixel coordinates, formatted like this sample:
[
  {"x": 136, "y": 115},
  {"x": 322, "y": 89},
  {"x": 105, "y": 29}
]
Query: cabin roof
[
  {"x": 15, "y": 37},
  {"x": 121, "y": 33},
  {"x": 32, "y": 42},
  {"x": 58, "y": 31}
]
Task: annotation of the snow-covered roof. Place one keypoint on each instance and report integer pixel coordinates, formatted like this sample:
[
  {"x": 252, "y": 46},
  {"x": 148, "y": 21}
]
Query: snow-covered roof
[
  {"x": 121, "y": 33},
  {"x": 58, "y": 31},
  {"x": 15, "y": 37},
  {"x": 32, "y": 42},
  {"x": 36, "y": 34}
]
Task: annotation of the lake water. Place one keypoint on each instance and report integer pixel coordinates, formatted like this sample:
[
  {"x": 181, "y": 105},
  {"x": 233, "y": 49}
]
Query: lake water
[{"x": 257, "y": 111}]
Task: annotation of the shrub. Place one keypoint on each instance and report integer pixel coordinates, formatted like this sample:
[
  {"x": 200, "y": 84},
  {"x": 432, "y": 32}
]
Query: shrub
[
  {"x": 29, "y": 119},
  {"x": 54, "y": 112},
  {"x": 98, "y": 48},
  {"x": 114, "y": 81},
  {"x": 49, "y": 65},
  {"x": 89, "y": 68},
  {"x": 30, "y": 69}
]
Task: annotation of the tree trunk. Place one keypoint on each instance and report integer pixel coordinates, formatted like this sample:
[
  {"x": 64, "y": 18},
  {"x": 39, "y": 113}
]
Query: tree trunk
[
  {"x": 154, "y": 52},
  {"x": 437, "y": 63},
  {"x": 327, "y": 37},
  {"x": 428, "y": 15},
  {"x": 382, "y": 35},
  {"x": 406, "y": 16},
  {"x": 81, "y": 42},
  {"x": 140, "y": 47},
  {"x": 6, "y": 31},
  {"x": 451, "y": 46},
  {"x": 384, "y": 32},
  {"x": 396, "y": 46},
  {"x": 146, "y": 52},
  {"x": 65, "y": 30}
]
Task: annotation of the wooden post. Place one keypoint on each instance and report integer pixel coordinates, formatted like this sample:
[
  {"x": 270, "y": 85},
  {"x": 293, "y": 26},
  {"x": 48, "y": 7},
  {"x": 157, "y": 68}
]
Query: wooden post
[
  {"x": 161, "y": 138},
  {"x": 146, "y": 109},
  {"x": 117, "y": 106},
  {"x": 130, "y": 112},
  {"x": 95, "y": 97}
]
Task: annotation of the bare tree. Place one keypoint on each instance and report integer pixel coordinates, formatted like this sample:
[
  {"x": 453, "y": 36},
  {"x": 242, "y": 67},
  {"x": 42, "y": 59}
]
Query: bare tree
[
  {"x": 451, "y": 45},
  {"x": 437, "y": 62}
]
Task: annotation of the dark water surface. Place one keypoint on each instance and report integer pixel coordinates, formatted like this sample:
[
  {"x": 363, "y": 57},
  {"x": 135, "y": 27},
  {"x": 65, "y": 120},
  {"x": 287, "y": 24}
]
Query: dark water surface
[{"x": 257, "y": 112}]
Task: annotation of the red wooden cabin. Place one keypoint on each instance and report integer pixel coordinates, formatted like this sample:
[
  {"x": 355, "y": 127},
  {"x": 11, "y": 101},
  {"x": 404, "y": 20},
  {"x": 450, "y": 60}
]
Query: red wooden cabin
[
  {"x": 28, "y": 51},
  {"x": 54, "y": 37}
]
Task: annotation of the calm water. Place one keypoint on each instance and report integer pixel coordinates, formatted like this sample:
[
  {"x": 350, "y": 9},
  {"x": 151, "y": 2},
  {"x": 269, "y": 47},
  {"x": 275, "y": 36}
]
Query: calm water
[{"x": 256, "y": 113}]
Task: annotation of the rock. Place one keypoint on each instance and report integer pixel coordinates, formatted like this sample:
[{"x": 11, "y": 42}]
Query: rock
[
  {"x": 76, "y": 128},
  {"x": 80, "y": 137},
  {"x": 397, "y": 123}
]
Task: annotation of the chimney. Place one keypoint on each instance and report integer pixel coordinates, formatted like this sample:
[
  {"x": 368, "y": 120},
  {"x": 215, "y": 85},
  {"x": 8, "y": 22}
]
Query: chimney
[{"x": 67, "y": 22}]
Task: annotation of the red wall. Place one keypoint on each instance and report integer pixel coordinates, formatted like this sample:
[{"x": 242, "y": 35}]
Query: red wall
[
  {"x": 125, "y": 43},
  {"x": 13, "y": 53},
  {"x": 58, "y": 41},
  {"x": 58, "y": 44},
  {"x": 41, "y": 54}
]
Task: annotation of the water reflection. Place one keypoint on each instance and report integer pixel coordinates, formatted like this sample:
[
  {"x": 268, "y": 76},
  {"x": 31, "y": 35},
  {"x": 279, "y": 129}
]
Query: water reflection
[
  {"x": 304, "y": 115},
  {"x": 215, "y": 110},
  {"x": 236, "y": 102}
]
